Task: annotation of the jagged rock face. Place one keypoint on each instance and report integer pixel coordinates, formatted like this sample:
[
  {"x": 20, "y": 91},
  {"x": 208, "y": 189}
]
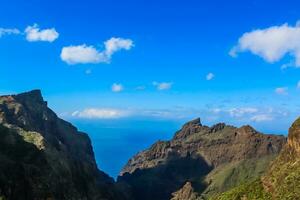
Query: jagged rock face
[
  {"x": 293, "y": 143},
  {"x": 44, "y": 157},
  {"x": 283, "y": 178},
  {"x": 204, "y": 151}
]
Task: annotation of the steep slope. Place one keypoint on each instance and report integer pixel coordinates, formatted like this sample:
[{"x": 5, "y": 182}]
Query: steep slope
[
  {"x": 44, "y": 157},
  {"x": 283, "y": 178},
  {"x": 281, "y": 181},
  {"x": 214, "y": 159}
]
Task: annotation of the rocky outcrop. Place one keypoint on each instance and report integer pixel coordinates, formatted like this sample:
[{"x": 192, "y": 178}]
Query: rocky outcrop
[
  {"x": 45, "y": 157},
  {"x": 185, "y": 193},
  {"x": 213, "y": 159}
]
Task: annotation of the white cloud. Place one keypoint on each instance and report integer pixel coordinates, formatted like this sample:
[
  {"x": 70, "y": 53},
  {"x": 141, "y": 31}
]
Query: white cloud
[
  {"x": 100, "y": 113},
  {"x": 239, "y": 112},
  {"x": 163, "y": 85},
  {"x": 242, "y": 115},
  {"x": 272, "y": 43},
  {"x": 34, "y": 34},
  {"x": 210, "y": 76},
  {"x": 298, "y": 85},
  {"x": 282, "y": 91},
  {"x": 116, "y": 87},
  {"x": 9, "y": 31},
  {"x": 83, "y": 54},
  {"x": 261, "y": 118},
  {"x": 116, "y": 44}
]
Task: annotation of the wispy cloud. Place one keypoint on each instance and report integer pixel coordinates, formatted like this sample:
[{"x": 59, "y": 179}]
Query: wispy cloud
[
  {"x": 281, "y": 90},
  {"x": 210, "y": 76},
  {"x": 9, "y": 31},
  {"x": 236, "y": 115},
  {"x": 117, "y": 87},
  {"x": 32, "y": 33},
  {"x": 83, "y": 54},
  {"x": 239, "y": 112},
  {"x": 35, "y": 34},
  {"x": 162, "y": 85},
  {"x": 100, "y": 113},
  {"x": 272, "y": 43},
  {"x": 261, "y": 118}
]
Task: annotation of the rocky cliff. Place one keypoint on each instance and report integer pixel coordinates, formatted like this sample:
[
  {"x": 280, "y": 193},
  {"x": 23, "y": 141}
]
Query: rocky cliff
[
  {"x": 212, "y": 159},
  {"x": 282, "y": 179},
  {"x": 45, "y": 157}
]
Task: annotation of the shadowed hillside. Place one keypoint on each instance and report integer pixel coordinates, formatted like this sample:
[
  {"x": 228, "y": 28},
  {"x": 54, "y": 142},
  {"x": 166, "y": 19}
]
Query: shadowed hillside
[{"x": 44, "y": 157}]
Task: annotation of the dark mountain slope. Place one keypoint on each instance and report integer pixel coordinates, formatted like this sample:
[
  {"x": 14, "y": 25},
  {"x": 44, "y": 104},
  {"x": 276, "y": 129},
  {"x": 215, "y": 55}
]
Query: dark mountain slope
[
  {"x": 214, "y": 159},
  {"x": 44, "y": 157}
]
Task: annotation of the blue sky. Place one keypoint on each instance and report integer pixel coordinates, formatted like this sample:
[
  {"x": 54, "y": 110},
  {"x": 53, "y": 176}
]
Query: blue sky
[{"x": 157, "y": 59}]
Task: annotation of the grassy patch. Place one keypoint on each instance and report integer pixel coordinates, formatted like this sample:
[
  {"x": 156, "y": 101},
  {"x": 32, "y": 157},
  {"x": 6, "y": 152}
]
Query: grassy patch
[{"x": 247, "y": 191}]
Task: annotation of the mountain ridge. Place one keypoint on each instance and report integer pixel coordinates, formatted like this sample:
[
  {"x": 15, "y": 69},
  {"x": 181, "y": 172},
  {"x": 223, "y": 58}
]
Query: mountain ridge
[
  {"x": 45, "y": 157},
  {"x": 206, "y": 153}
]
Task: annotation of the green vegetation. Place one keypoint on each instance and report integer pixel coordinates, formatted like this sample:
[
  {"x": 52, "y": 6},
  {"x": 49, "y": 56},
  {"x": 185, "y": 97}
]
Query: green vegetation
[
  {"x": 283, "y": 180},
  {"x": 231, "y": 175},
  {"x": 248, "y": 191},
  {"x": 34, "y": 138}
]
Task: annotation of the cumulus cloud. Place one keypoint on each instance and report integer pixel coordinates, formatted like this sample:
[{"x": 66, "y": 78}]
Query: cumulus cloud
[
  {"x": 281, "y": 91},
  {"x": 116, "y": 87},
  {"x": 83, "y": 54},
  {"x": 100, "y": 113},
  {"x": 80, "y": 54},
  {"x": 116, "y": 44},
  {"x": 9, "y": 31},
  {"x": 162, "y": 85},
  {"x": 210, "y": 76},
  {"x": 34, "y": 34},
  {"x": 272, "y": 43}
]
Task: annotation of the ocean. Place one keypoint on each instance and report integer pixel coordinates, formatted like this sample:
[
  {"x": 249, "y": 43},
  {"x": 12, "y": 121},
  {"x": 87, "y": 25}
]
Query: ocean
[{"x": 116, "y": 141}]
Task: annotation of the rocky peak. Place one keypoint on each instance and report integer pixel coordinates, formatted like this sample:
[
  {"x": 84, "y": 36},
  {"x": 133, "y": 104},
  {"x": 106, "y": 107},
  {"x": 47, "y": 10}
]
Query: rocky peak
[
  {"x": 194, "y": 122},
  {"x": 189, "y": 128},
  {"x": 294, "y": 137},
  {"x": 33, "y": 96},
  {"x": 185, "y": 193},
  {"x": 27, "y": 110},
  {"x": 217, "y": 127},
  {"x": 246, "y": 130},
  {"x": 50, "y": 158}
]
